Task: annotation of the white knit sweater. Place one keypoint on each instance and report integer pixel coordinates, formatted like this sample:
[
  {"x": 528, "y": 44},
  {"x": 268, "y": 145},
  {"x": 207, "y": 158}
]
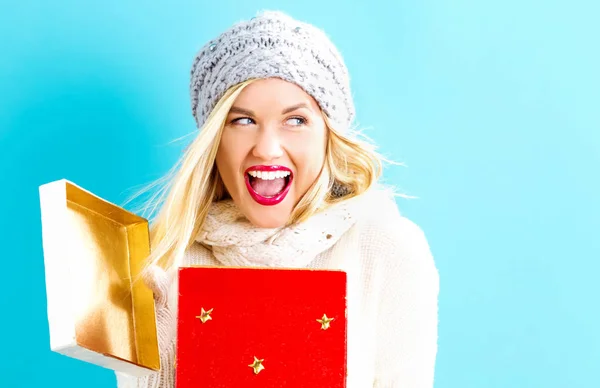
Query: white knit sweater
[{"x": 393, "y": 287}]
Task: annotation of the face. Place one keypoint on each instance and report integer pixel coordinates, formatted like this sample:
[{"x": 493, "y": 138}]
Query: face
[{"x": 272, "y": 150}]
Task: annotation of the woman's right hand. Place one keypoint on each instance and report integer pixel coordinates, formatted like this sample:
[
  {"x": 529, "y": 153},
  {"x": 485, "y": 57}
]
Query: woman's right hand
[{"x": 158, "y": 281}]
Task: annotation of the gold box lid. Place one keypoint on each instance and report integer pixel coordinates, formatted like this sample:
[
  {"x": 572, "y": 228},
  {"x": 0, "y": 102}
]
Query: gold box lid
[{"x": 93, "y": 253}]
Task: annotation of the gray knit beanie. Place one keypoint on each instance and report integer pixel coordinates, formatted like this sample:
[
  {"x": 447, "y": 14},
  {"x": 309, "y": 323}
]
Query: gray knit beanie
[{"x": 273, "y": 44}]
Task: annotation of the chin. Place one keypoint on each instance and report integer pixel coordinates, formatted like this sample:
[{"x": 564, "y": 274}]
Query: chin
[
  {"x": 269, "y": 217},
  {"x": 268, "y": 223}
]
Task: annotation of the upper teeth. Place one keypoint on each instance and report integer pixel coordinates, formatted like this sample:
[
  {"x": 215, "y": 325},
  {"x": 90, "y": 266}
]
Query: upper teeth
[{"x": 269, "y": 174}]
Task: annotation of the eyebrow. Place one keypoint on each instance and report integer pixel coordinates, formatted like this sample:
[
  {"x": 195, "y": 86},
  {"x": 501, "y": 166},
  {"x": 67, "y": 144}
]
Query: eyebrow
[{"x": 247, "y": 112}]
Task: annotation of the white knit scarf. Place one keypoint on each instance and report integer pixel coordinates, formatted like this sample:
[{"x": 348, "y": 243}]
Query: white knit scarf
[{"x": 236, "y": 242}]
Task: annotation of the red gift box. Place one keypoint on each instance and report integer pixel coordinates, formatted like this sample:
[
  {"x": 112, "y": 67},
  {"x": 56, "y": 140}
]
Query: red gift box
[{"x": 258, "y": 327}]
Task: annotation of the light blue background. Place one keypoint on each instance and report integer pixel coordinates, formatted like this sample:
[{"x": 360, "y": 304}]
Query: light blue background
[{"x": 494, "y": 106}]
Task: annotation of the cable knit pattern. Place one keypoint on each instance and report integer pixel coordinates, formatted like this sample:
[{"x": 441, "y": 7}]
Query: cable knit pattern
[
  {"x": 272, "y": 44},
  {"x": 393, "y": 286}
]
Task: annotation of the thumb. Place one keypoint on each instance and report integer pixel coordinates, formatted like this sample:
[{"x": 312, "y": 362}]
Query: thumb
[{"x": 157, "y": 280}]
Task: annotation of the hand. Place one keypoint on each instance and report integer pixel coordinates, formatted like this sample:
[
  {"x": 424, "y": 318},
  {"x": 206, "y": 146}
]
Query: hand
[{"x": 158, "y": 281}]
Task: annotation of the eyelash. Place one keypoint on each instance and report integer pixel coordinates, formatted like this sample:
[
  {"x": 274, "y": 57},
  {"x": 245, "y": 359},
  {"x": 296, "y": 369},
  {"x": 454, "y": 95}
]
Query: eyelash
[
  {"x": 235, "y": 121},
  {"x": 302, "y": 120}
]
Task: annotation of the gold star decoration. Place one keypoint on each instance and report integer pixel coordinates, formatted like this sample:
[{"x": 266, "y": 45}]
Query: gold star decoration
[
  {"x": 257, "y": 365},
  {"x": 204, "y": 315},
  {"x": 325, "y": 322}
]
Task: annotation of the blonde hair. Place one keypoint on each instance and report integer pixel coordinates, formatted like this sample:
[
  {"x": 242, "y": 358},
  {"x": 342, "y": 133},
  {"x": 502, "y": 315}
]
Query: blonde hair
[{"x": 187, "y": 191}]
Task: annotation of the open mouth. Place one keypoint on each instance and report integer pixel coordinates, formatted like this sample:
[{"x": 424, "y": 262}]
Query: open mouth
[{"x": 268, "y": 185}]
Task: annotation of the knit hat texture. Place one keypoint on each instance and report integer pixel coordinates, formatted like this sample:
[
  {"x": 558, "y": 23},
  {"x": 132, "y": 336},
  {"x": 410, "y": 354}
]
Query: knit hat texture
[{"x": 273, "y": 44}]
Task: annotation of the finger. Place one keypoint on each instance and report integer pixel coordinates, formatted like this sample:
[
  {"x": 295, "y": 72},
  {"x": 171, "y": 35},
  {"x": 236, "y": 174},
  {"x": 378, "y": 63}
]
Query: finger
[{"x": 157, "y": 280}]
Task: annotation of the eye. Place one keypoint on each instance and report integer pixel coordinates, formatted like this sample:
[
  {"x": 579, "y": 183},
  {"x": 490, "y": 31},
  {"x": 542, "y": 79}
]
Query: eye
[
  {"x": 242, "y": 121},
  {"x": 296, "y": 121}
]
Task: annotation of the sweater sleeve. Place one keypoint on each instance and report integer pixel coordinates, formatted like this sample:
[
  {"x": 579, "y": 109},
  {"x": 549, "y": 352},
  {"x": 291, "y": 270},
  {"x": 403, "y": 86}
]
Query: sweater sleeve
[
  {"x": 158, "y": 281},
  {"x": 407, "y": 330}
]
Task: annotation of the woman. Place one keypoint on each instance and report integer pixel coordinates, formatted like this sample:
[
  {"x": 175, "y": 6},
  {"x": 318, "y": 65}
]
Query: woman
[{"x": 274, "y": 178}]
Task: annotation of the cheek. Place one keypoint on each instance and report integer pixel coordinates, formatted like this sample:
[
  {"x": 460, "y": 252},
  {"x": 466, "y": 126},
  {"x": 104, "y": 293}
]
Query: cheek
[
  {"x": 230, "y": 156},
  {"x": 309, "y": 155}
]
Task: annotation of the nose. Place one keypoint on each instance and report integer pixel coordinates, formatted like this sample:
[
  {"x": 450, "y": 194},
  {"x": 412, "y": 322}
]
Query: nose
[{"x": 268, "y": 145}]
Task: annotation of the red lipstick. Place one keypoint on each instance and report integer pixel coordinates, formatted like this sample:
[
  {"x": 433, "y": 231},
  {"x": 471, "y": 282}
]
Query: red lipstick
[{"x": 269, "y": 200}]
